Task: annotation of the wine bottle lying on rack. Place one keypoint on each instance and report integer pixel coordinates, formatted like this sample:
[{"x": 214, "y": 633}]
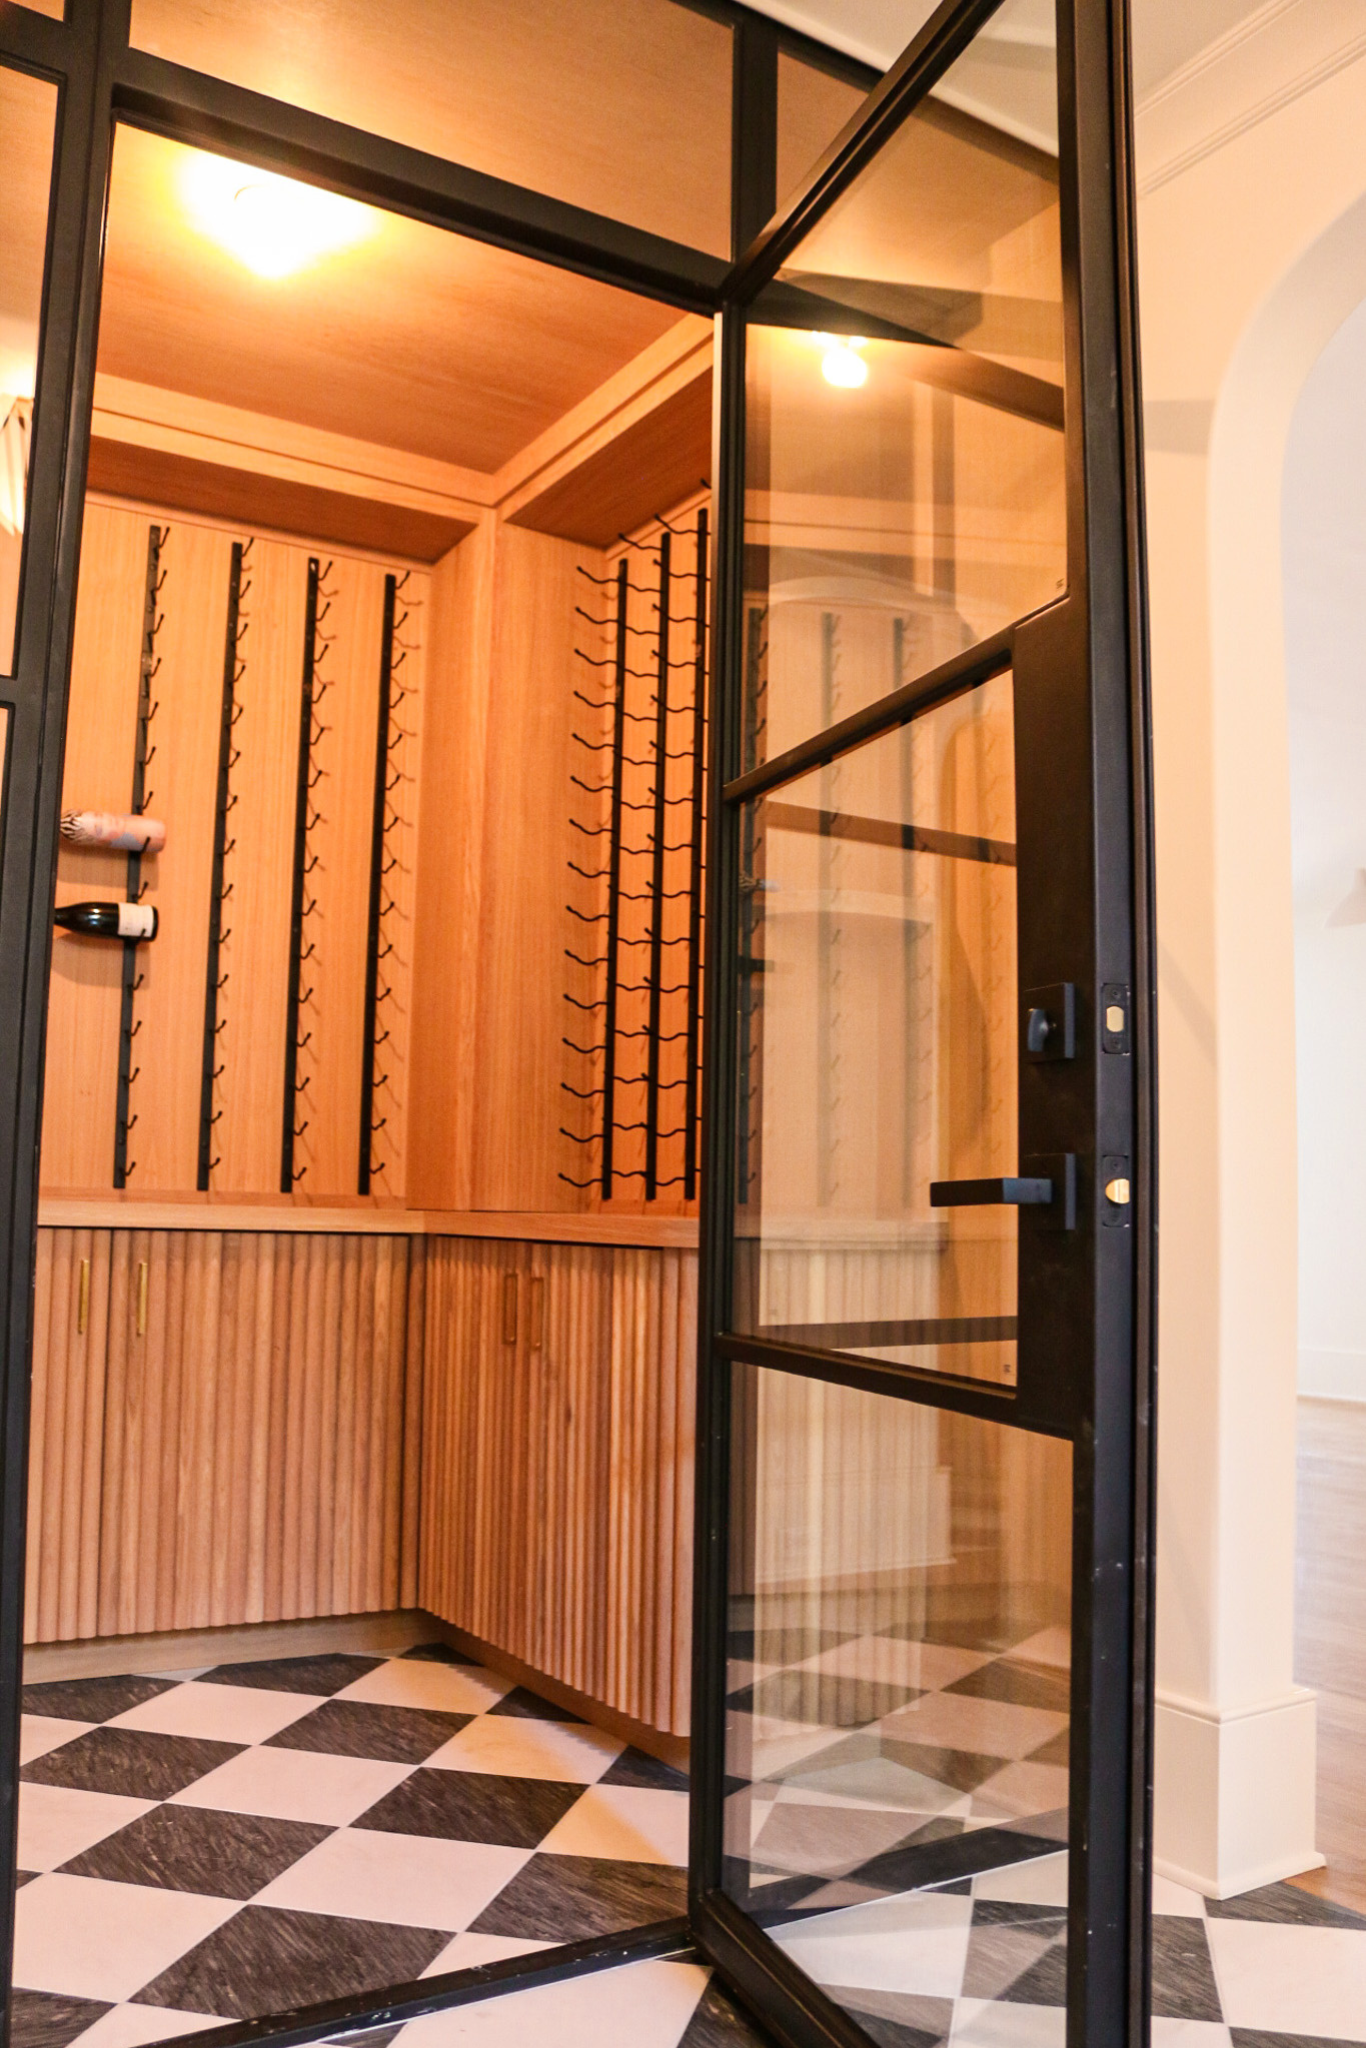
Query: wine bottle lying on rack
[
  {"x": 129, "y": 921},
  {"x": 120, "y": 831}
]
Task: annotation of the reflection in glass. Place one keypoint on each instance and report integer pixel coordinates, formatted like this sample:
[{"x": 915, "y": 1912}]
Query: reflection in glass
[
  {"x": 877, "y": 1041},
  {"x": 812, "y": 108},
  {"x": 905, "y": 403},
  {"x": 625, "y": 110},
  {"x": 28, "y": 113},
  {"x": 898, "y": 1698}
]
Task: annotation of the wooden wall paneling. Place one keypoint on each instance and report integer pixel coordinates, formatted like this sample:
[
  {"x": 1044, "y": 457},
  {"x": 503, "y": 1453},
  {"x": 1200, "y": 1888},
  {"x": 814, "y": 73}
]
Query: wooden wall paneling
[
  {"x": 67, "y": 1431},
  {"x": 180, "y": 782},
  {"x": 84, "y": 989},
  {"x": 345, "y": 685},
  {"x": 519, "y": 1153},
  {"x": 37, "y": 1429},
  {"x": 449, "y": 854},
  {"x": 402, "y": 1551},
  {"x": 255, "y": 955}
]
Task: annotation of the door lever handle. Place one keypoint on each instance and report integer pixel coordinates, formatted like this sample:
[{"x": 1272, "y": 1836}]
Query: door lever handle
[{"x": 984, "y": 1194}]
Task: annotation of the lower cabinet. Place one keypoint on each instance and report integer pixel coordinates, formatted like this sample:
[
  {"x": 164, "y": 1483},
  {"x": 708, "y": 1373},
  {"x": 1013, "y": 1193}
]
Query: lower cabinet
[
  {"x": 557, "y": 1462},
  {"x": 231, "y": 1427},
  {"x": 224, "y": 1429}
]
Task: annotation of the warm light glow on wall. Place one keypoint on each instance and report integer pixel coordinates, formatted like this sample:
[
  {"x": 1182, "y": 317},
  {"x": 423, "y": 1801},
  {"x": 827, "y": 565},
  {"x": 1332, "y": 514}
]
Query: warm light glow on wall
[
  {"x": 272, "y": 225},
  {"x": 841, "y": 363}
]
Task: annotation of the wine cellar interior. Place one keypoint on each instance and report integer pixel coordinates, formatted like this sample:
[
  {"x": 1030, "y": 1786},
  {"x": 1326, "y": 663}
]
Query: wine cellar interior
[{"x": 370, "y": 1172}]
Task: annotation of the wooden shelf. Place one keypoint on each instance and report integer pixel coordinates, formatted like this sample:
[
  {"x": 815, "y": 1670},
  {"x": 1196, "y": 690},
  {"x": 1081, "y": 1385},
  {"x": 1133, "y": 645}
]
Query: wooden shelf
[{"x": 208, "y": 1212}]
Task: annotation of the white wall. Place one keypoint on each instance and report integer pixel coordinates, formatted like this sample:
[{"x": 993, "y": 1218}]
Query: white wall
[{"x": 1325, "y": 652}]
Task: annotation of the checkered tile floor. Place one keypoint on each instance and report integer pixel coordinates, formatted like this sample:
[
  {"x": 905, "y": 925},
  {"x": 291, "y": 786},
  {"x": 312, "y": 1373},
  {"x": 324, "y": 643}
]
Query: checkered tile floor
[{"x": 260, "y": 1836}]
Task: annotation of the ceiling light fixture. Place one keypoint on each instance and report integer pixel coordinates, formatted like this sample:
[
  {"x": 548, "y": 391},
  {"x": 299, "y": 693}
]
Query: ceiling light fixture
[
  {"x": 841, "y": 364},
  {"x": 274, "y": 226}
]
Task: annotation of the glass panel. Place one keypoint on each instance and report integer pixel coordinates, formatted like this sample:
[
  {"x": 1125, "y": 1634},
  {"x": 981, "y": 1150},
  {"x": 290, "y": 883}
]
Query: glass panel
[
  {"x": 878, "y": 1039},
  {"x": 812, "y": 109},
  {"x": 905, "y": 446},
  {"x": 897, "y": 1713},
  {"x": 625, "y": 110},
  {"x": 28, "y": 118}
]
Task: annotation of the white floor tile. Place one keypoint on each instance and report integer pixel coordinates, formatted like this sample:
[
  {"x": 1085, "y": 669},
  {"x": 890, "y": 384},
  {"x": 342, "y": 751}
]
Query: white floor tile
[
  {"x": 510, "y": 1746},
  {"x": 1169, "y": 1897},
  {"x": 222, "y": 1713},
  {"x": 40, "y": 1733},
  {"x": 1289, "y": 1980},
  {"x": 129, "y": 2026},
  {"x": 989, "y": 1727},
  {"x": 1021, "y": 1789},
  {"x": 646, "y": 2004},
  {"x": 471, "y": 1951},
  {"x": 1050, "y": 1646},
  {"x": 56, "y": 1822},
  {"x": 633, "y": 1823},
  {"x": 1042, "y": 1881},
  {"x": 295, "y": 1784},
  {"x": 415, "y": 1880},
  {"x": 1190, "y": 2034},
  {"x": 915, "y": 1942},
  {"x": 923, "y": 1665},
  {"x": 92, "y": 1939},
  {"x": 997, "y": 2023},
  {"x": 413, "y": 1682}
]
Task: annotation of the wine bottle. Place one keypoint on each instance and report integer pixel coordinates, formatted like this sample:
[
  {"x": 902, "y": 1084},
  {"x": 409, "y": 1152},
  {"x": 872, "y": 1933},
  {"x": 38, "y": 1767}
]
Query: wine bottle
[
  {"x": 109, "y": 920},
  {"x": 121, "y": 831}
]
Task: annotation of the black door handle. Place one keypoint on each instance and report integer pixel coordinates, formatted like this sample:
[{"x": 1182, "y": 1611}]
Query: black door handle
[{"x": 983, "y": 1194}]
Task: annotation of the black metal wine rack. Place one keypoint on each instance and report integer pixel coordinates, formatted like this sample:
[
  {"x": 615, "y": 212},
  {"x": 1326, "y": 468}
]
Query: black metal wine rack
[
  {"x": 220, "y": 890},
  {"x": 143, "y": 752},
  {"x": 389, "y": 736},
  {"x": 307, "y": 819},
  {"x": 648, "y": 725}
]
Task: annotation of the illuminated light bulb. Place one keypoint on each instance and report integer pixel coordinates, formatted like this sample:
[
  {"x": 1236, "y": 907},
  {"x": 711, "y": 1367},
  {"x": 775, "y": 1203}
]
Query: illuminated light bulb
[
  {"x": 841, "y": 364},
  {"x": 273, "y": 226}
]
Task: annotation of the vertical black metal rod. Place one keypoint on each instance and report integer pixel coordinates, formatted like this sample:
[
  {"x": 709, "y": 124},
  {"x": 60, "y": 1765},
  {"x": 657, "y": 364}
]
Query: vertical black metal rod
[
  {"x": 209, "y": 1059},
  {"x": 609, "y": 1058},
  {"x": 699, "y": 725},
  {"x": 657, "y": 879},
  {"x": 296, "y": 913},
  {"x": 156, "y": 535},
  {"x": 749, "y": 904},
  {"x": 826, "y": 938},
  {"x": 367, "y": 1068}
]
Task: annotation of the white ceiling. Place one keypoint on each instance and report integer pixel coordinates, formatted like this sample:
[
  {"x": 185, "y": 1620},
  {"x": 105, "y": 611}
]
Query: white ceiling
[{"x": 1167, "y": 33}]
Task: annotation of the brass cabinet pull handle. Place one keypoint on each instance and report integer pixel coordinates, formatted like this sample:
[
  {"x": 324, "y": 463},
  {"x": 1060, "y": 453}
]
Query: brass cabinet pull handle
[
  {"x": 536, "y": 1314},
  {"x": 83, "y": 1299},
  {"x": 509, "y": 1308},
  {"x": 142, "y": 1297}
]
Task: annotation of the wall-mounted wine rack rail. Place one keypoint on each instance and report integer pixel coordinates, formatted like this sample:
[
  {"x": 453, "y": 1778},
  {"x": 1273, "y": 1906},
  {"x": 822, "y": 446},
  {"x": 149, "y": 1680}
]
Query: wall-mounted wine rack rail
[
  {"x": 389, "y": 734},
  {"x": 649, "y": 734},
  {"x": 307, "y": 819},
  {"x": 220, "y": 890},
  {"x": 143, "y": 751}
]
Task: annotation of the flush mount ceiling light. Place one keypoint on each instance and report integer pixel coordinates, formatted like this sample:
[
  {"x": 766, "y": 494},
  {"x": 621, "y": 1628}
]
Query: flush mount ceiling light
[
  {"x": 273, "y": 226},
  {"x": 841, "y": 364}
]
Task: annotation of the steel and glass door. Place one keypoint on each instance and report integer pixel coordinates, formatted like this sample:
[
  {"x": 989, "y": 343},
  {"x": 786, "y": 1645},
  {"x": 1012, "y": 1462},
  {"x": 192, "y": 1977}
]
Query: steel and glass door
[{"x": 920, "y": 1728}]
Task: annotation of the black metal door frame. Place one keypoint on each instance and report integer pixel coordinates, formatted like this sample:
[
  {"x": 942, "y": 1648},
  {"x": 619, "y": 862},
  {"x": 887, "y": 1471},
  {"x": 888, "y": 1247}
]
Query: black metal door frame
[
  {"x": 1085, "y": 916},
  {"x": 102, "y": 80}
]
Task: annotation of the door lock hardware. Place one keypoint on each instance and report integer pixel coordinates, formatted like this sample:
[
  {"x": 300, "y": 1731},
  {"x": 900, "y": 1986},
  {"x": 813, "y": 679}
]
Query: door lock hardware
[
  {"x": 1114, "y": 1017},
  {"x": 1052, "y": 1186},
  {"x": 1051, "y": 1022},
  {"x": 1114, "y": 1175}
]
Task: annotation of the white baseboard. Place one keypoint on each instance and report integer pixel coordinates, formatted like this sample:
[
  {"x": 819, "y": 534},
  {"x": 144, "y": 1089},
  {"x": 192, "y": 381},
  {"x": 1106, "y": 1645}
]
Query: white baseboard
[
  {"x": 1332, "y": 1375},
  {"x": 1234, "y": 1792}
]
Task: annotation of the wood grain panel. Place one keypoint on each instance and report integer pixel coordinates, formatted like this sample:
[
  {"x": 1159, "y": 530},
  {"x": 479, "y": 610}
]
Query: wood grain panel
[
  {"x": 83, "y": 998},
  {"x": 557, "y": 1468},
  {"x": 248, "y": 1454}
]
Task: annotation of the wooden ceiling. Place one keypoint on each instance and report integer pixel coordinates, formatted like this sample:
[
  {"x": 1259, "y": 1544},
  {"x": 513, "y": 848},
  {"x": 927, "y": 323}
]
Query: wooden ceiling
[{"x": 416, "y": 338}]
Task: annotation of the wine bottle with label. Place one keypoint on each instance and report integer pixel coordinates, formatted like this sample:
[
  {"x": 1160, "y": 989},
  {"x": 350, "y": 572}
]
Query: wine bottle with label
[
  {"x": 121, "y": 831},
  {"x": 129, "y": 921}
]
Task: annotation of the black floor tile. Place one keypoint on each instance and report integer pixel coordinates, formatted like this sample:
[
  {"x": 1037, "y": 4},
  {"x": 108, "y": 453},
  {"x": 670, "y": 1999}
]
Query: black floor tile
[
  {"x": 1057, "y": 1750},
  {"x": 132, "y": 1761},
  {"x": 92, "y": 1699},
  {"x": 24, "y": 1877},
  {"x": 1004, "y": 1954},
  {"x": 1183, "y": 1974},
  {"x": 531, "y": 1707},
  {"x": 960, "y": 1770},
  {"x": 819, "y": 1699},
  {"x": 634, "y": 1767},
  {"x": 474, "y": 1806},
  {"x": 267, "y": 1960},
  {"x": 1017, "y": 1683},
  {"x": 717, "y": 2022},
  {"x": 1045, "y": 1983},
  {"x": 389, "y": 1735},
  {"x": 41, "y": 2019},
  {"x": 197, "y": 1849},
  {"x": 440, "y": 1653},
  {"x": 569, "y": 1898},
  {"x": 322, "y": 1675},
  {"x": 895, "y": 2019},
  {"x": 1286, "y": 1904}
]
